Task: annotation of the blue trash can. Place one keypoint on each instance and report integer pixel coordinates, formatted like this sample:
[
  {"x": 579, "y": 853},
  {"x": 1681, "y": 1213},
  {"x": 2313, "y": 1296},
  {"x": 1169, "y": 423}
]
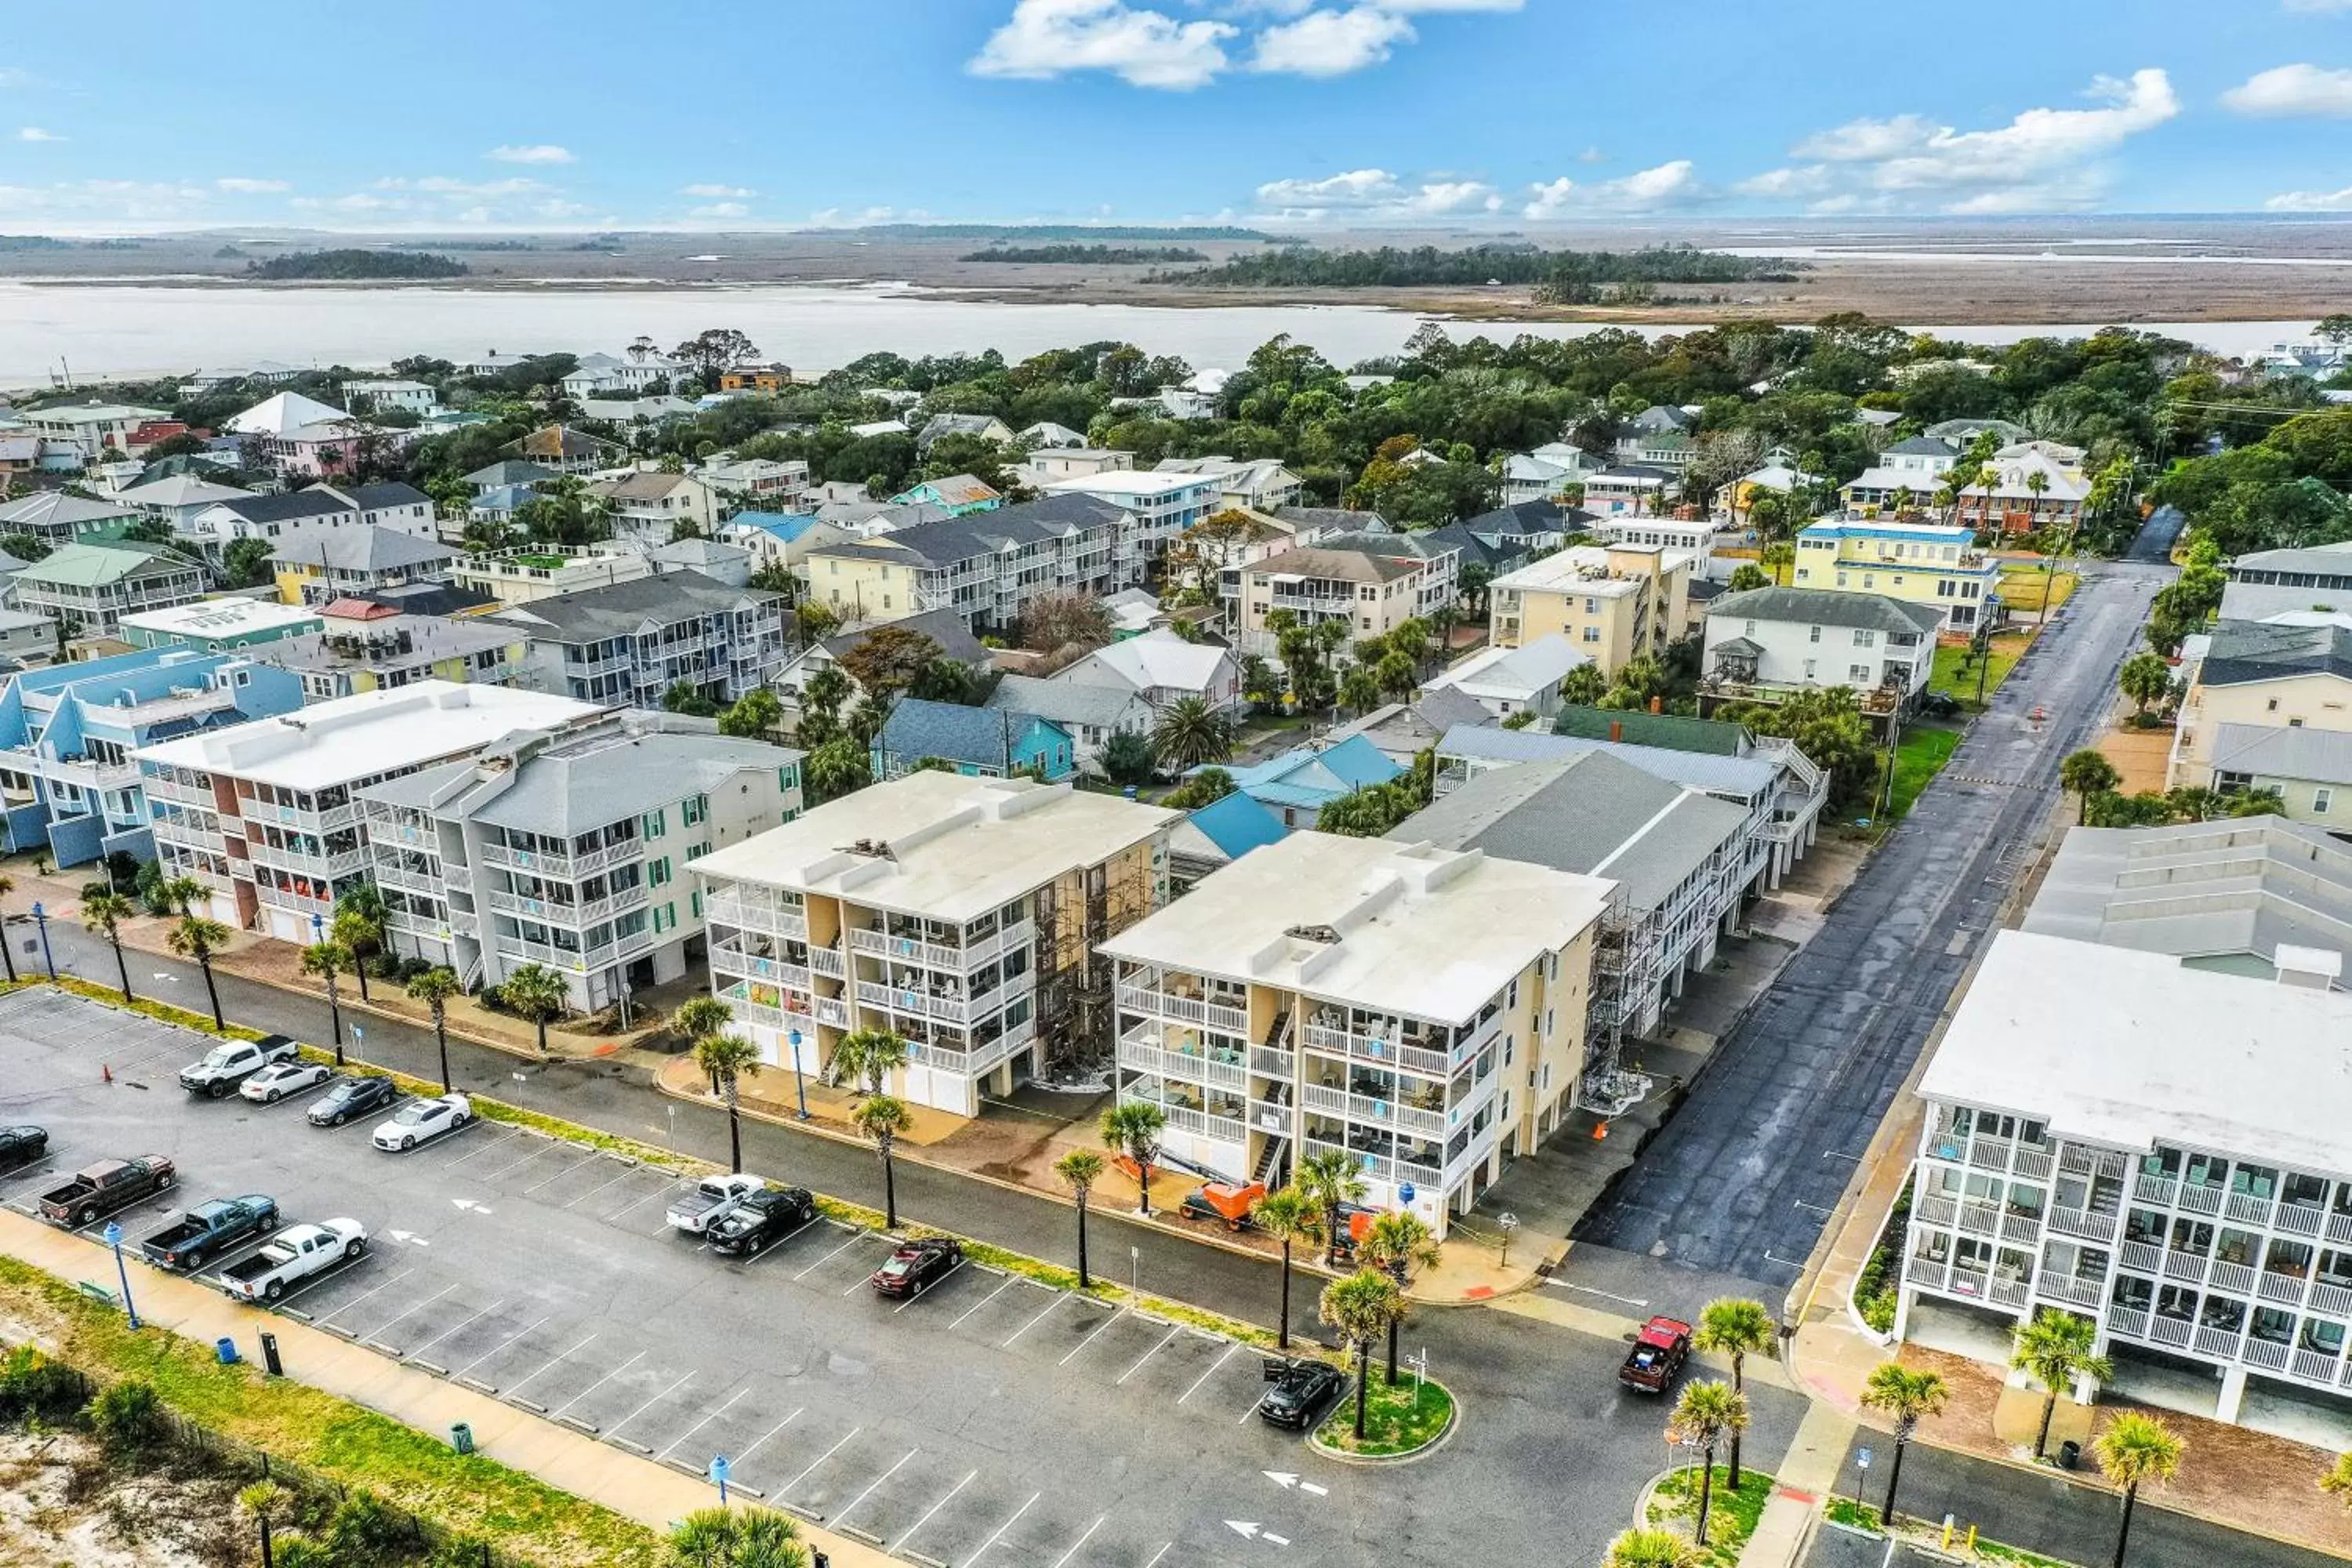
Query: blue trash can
[{"x": 227, "y": 1349}]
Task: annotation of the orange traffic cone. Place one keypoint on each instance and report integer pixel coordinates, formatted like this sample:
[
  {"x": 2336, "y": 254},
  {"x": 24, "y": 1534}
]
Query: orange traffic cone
[{"x": 1599, "y": 1130}]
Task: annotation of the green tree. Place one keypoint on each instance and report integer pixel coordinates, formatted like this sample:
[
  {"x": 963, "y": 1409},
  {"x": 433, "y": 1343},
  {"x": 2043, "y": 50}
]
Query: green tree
[
  {"x": 2134, "y": 1451},
  {"x": 839, "y": 767},
  {"x": 865, "y": 1059},
  {"x": 754, "y": 716},
  {"x": 1191, "y": 733},
  {"x": 1749, "y": 576},
  {"x": 2336, "y": 1482},
  {"x": 1079, "y": 1169},
  {"x": 2086, "y": 775},
  {"x": 1399, "y": 1241},
  {"x": 1905, "y": 1397},
  {"x": 537, "y": 993},
  {"x": 2144, "y": 679},
  {"x": 1777, "y": 557},
  {"x": 1206, "y": 787},
  {"x": 735, "y": 1538},
  {"x": 328, "y": 960},
  {"x": 1827, "y": 725},
  {"x": 1359, "y": 690},
  {"x": 2054, "y": 1348},
  {"x": 434, "y": 988},
  {"x": 1738, "y": 1328},
  {"x": 1133, "y": 1129},
  {"x": 1127, "y": 758},
  {"x": 685, "y": 697},
  {"x": 197, "y": 938},
  {"x": 1708, "y": 1412},
  {"x": 1362, "y": 1308},
  {"x": 1288, "y": 1215},
  {"x": 1651, "y": 1548},
  {"x": 1583, "y": 686},
  {"x": 246, "y": 562},
  {"x": 358, "y": 925},
  {"x": 814, "y": 621},
  {"x": 104, "y": 914},
  {"x": 181, "y": 894},
  {"x": 726, "y": 1057},
  {"x": 822, "y": 699},
  {"x": 1331, "y": 1180},
  {"x": 882, "y": 1119}
]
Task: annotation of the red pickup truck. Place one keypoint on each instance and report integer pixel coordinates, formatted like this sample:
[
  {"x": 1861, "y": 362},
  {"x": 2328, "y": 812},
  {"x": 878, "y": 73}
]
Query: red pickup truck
[
  {"x": 102, "y": 1188},
  {"x": 1657, "y": 1356}
]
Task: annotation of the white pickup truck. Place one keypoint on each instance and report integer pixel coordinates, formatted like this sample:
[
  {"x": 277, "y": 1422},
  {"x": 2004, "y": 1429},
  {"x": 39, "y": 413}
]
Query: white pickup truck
[
  {"x": 711, "y": 1200},
  {"x": 293, "y": 1255}
]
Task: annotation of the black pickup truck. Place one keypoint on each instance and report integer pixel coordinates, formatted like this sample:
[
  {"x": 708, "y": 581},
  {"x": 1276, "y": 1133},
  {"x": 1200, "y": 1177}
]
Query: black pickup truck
[
  {"x": 208, "y": 1228},
  {"x": 102, "y": 1188}
]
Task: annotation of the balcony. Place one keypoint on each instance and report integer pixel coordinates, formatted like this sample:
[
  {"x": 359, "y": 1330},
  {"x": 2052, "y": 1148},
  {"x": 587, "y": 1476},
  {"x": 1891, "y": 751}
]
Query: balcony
[
  {"x": 1267, "y": 1062},
  {"x": 561, "y": 867},
  {"x": 958, "y": 960},
  {"x": 1989, "y": 1154},
  {"x": 1138, "y": 1049},
  {"x": 1922, "y": 1270},
  {"x": 1225, "y": 1130},
  {"x": 2088, "y": 1225},
  {"x": 2234, "y": 1278},
  {"x": 1979, "y": 1219},
  {"x": 826, "y": 960},
  {"x": 1381, "y": 1167},
  {"x": 2277, "y": 1285},
  {"x": 2335, "y": 1301},
  {"x": 2318, "y": 1366},
  {"x": 1936, "y": 1209},
  {"x": 2200, "y": 1199},
  {"x": 733, "y": 961},
  {"x": 2298, "y": 1219},
  {"x": 2221, "y": 1342},
  {"x": 1194, "y": 1009},
  {"x": 2252, "y": 1210},
  {"x": 2141, "y": 1257},
  {"x": 2155, "y": 1189},
  {"x": 832, "y": 1010},
  {"x": 1373, "y": 1111},
  {"x": 2078, "y": 1290},
  {"x": 2188, "y": 1266},
  {"x": 1371, "y": 1047}
]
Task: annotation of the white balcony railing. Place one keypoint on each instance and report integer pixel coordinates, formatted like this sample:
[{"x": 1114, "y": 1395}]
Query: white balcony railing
[
  {"x": 1187, "y": 1066},
  {"x": 562, "y": 868},
  {"x": 1194, "y": 1009},
  {"x": 1369, "y": 1048}
]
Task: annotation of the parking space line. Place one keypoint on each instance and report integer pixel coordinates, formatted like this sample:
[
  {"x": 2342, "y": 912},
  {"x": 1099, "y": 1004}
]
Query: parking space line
[
  {"x": 1112, "y": 1317},
  {"x": 785, "y": 1490},
  {"x": 1001, "y": 1529},
  {"x": 620, "y": 1176},
  {"x": 649, "y": 1404},
  {"x": 660, "y": 1192},
  {"x": 554, "y": 1360},
  {"x": 760, "y": 1441},
  {"x": 363, "y": 1296},
  {"x": 413, "y": 1311},
  {"x": 1081, "y": 1540},
  {"x": 1147, "y": 1355},
  {"x": 485, "y": 1148},
  {"x": 829, "y": 1256},
  {"x": 983, "y": 1301},
  {"x": 1033, "y": 1321},
  {"x": 596, "y": 1385},
  {"x": 467, "y": 1323},
  {"x": 876, "y": 1481},
  {"x": 516, "y": 1165},
  {"x": 496, "y": 1348},
  {"x": 1250, "y": 1410},
  {"x": 910, "y": 1533},
  {"x": 704, "y": 1421},
  {"x": 927, "y": 1290},
  {"x": 1158, "y": 1554},
  {"x": 1208, "y": 1375},
  {"x": 565, "y": 1172}
]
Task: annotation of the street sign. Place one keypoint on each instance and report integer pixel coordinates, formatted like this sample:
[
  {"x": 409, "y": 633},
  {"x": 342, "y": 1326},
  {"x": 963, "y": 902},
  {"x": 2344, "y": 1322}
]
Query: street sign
[{"x": 1862, "y": 1459}]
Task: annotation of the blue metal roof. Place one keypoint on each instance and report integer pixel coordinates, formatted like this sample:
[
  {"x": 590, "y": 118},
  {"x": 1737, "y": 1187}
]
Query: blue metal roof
[
  {"x": 786, "y": 526},
  {"x": 1237, "y": 825},
  {"x": 1310, "y": 777}
]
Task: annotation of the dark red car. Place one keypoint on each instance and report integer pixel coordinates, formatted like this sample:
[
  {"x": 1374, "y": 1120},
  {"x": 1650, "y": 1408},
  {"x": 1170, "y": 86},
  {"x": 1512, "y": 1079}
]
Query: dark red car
[
  {"x": 1657, "y": 1356},
  {"x": 917, "y": 1266}
]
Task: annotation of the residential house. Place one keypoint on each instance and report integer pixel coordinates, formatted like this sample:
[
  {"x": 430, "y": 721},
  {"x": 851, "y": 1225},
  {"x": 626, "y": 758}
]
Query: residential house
[
  {"x": 567, "y": 451},
  {"x": 1418, "y": 1010},
  {"x": 633, "y": 373},
  {"x": 1930, "y": 457},
  {"x": 359, "y": 645},
  {"x": 2258, "y": 673},
  {"x": 68, "y": 784},
  {"x": 961, "y": 914},
  {"x": 88, "y": 588},
  {"x": 26, "y": 638},
  {"x": 1216, "y": 836},
  {"x": 980, "y": 743},
  {"x": 984, "y": 566},
  {"x": 872, "y": 429},
  {"x": 1768, "y": 643},
  {"x": 1089, "y": 714},
  {"x": 1370, "y": 582},
  {"x": 1297, "y": 785},
  {"x": 215, "y": 625},
  {"x": 1162, "y": 505},
  {"x": 985, "y": 426},
  {"x": 1627, "y": 488},
  {"x": 1961, "y": 433},
  {"x": 1548, "y": 473},
  {"x": 1658, "y": 419},
  {"x": 719, "y": 559},
  {"x": 177, "y": 500},
  {"x": 568, "y": 850},
  {"x": 1614, "y": 602},
  {"x": 628, "y": 644},
  {"x": 2307, "y": 768},
  {"x": 20, "y": 454},
  {"x": 2031, "y": 490},
  {"x": 78, "y": 434},
  {"x": 316, "y": 564},
  {"x": 945, "y": 629},
  {"x": 776, "y": 540},
  {"x": 1888, "y": 492},
  {"x": 648, "y": 506},
  {"x": 1162, "y": 668},
  {"x": 2265, "y": 582},
  {"x": 1689, "y": 535},
  {"x": 526, "y": 572},
  {"x": 57, "y": 518},
  {"x": 773, "y": 377},
  {"x": 381, "y": 396},
  {"x": 1400, "y": 731},
  {"x": 394, "y": 508},
  {"x": 955, "y": 495},
  {"x": 767, "y": 483},
  {"x": 1512, "y": 535},
  {"x": 1506, "y": 681},
  {"x": 1252, "y": 484},
  {"x": 510, "y": 473},
  {"x": 1045, "y": 464},
  {"x": 1735, "y": 501},
  {"x": 1047, "y": 434},
  {"x": 301, "y": 435},
  {"x": 1919, "y": 563}
]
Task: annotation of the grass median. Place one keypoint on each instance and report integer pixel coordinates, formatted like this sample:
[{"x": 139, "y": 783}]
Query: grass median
[
  {"x": 1731, "y": 1513},
  {"x": 1398, "y": 1420}
]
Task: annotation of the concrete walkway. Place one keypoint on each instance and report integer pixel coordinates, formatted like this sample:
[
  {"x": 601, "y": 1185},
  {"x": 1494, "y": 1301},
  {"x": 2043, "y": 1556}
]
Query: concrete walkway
[{"x": 652, "y": 1494}]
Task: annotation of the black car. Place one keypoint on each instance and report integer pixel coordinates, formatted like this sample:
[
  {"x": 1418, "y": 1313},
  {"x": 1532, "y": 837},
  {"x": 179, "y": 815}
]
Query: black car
[
  {"x": 1940, "y": 705},
  {"x": 22, "y": 1145},
  {"x": 761, "y": 1220},
  {"x": 1297, "y": 1391},
  {"x": 917, "y": 1266},
  {"x": 349, "y": 1097}
]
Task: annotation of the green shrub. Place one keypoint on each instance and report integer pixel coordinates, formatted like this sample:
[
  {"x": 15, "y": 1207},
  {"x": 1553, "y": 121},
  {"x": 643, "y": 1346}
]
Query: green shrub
[
  {"x": 364, "y": 1532},
  {"x": 35, "y": 1388},
  {"x": 128, "y": 1419}
]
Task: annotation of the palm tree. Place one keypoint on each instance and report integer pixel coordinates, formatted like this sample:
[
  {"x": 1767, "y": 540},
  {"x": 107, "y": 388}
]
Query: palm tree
[
  {"x": 1288, "y": 1215},
  {"x": 1079, "y": 1169},
  {"x": 434, "y": 988},
  {"x": 353, "y": 932},
  {"x": 882, "y": 1118},
  {"x": 1359, "y": 690},
  {"x": 2144, "y": 679},
  {"x": 1906, "y": 1396},
  {"x": 1737, "y": 1327},
  {"x": 2338, "y": 1482},
  {"x": 1708, "y": 1412},
  {"x": 735, "y": 1538},
  {"x": 195, "y": 937},
  {"x": 2087, "y": 772},
  {"x": 1777, "y": 557},
  {"x": 182, "y": 893},
  {"x": 1331, "y": 1179},
  {"x": 1133, "y": 1129},
  {"x": 2136, "y": 1448},
  {"x": 7, "y": 886},
  {"x": 1191, "y": 733},
  {"x": 2038, "y": 483},
  {"x": 1362, "y": 1307},
  {"x": 1399, "y": 1241},
  {"x": 726, "y": 1057},
  {"x": 1651, "y": 1549},
  {"x": 539, "y": 993},
  {"x": 104, "y": 914},
  {"x": 2055, "y": 1348},
  {"x": 868, "y": 1056},
  {"x": 326, "y": 960}
]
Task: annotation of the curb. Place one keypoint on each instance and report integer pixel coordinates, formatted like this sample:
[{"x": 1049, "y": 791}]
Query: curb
[{"x": 1445, "y": 1433}]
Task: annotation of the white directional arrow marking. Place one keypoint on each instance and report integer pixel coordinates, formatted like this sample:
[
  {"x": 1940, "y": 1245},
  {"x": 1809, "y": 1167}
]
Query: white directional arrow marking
[
  {"x": 1246, "y": 1529},
  {"x": 1313, "y": 1490},
  {"x": 1278, "y": 1540},
  {"x": 1282, "y": 1478},
  {"x": 470, "y": 1205},
  {"x": 408, "y": 1237}
]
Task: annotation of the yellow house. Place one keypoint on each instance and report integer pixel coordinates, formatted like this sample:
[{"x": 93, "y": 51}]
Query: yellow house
[
  {"x": 318, "y": 566},
  {"x": 2256, "y": 675},
  {"x": 866, "y": 579},
  {"x": 382, "y": 648},
  {"x": 1919, "y": 563},
  {"x": 1614, "y": 602}
]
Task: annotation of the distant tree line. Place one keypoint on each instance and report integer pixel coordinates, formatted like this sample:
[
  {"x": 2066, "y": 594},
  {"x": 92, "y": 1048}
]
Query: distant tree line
[
  {"x": 1426, "y": 266},
  {"x": 1048, "y": 231},
  {"x": 1099, "y": 255},
  {"x": 354, "y": 265}
]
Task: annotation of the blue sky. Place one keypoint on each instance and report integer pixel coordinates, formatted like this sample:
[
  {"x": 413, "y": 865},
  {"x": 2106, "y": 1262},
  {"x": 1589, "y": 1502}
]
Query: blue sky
[{"x": 1507, "y": 114}]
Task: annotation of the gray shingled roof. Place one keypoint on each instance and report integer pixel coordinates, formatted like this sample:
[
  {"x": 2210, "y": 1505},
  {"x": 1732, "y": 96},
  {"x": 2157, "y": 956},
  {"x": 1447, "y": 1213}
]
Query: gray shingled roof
[
  {"x": 287, "y": 508},
  {"x": 2244, "y": 651},
  {"x": 364, "y": 548},
  {"x": 1828, "y": 607},
  {"x": 1922, "y": 447},
  {"x": 621, "y": 608},
  {"x": 1743, "y": 776},
  {"x": 1064, "y": 702},
  {"x": 955, "y": 539},
  {"x": 981, "y": 736},
  {"x": 945, "y": 627}
]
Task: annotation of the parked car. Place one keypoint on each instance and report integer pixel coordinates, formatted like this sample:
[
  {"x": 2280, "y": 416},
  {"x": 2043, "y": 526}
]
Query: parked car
[
  {"x": 1298, "y": 1391},
  {"x": 230, "y": 1063},
  {"x": 207, "y": 1228},
  {"x": 1940, "y": 705},
  {"x": 22, "y": 1145},
  {"x": 761, "y": 1220},
  {"x": 705, "y": 1203},
  {"x": 109, "y": 1185},
  {"x": 422, "y": 1120},
  {"x": 279, "y": 1079},
  {"x": 293, "y": 1255},
  {"x": 1657, "y": 1356},
  {"x": 917, "y": 1266},
  {"x": 349, "y": 1097}
]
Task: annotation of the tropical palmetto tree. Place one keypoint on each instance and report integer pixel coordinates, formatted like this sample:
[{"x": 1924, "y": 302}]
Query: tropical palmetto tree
[
  {"x": 1399, "y": 1242},
  {"x": 735, "y": 1538},
  {"x": 183, "y": 893},
  {"x": 1706, "y": 1413},
  {"x": 1288, "y": 1215},
  {"x": 539, "y": 993},
  {"x": 1189, "y": 733},
  {"x": 328, "y": 959},
  {"x": 358, "y": 925},
  {"x": 1905, "y": 1396},
  {"x": 1359, "y": 690},
  {"x": 196, "y": 938},
  {"x": 698, "y": 1016},
  {"x": 434, "y": 988},
  {"x": 1133, "y": 1129},
  {"x": 2337, "y": 1480},
  {"x": 1360, "y": 1308},
  {"x": 2133, "y": 1450},
  {"x": 882, "y": 1118},
  {"x": 1651, "y": 1549},
  {"x": 2085, "y": 774},
  {"x": 726, "y": 1057},
  {"x": 1331, "y": 1179},
  {"x": 865, "y": 1059},
  {"x": 2055, "y": 1348},
  {"x": 102, "y": 914},
  {"x": 1079, "y": 1169},
  {"x": 1738, "y": 1328},
  {"x": 2145, "y": 677}
]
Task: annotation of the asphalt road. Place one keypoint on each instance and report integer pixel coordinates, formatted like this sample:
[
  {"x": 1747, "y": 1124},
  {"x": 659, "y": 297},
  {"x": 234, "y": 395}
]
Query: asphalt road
[
  {"x": 991, "y": 1421},
  {"x": 1740, "y": 1181}
]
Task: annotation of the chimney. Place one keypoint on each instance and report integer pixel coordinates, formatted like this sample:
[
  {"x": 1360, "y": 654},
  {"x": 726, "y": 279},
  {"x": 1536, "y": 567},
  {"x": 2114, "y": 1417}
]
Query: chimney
[{"x": 1616, "y": 730}]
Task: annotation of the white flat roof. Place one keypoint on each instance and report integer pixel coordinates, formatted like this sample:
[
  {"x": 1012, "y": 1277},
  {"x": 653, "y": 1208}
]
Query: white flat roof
[
  {"x": 2116, "y": 1047},
  {"x": 222, "y": 617},
  {"x": 1563, "y": 572},
  {"x": 1426, "y": 932},
  {"x": 943, "y": 845},
  {"x": 1130, "y": 482},
  {"x": 375, "y": 733}
]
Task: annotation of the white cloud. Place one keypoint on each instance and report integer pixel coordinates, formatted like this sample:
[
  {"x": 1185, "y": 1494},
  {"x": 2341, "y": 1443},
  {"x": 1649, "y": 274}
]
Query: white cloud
[
  {"x": 717, "y": 193},
  {"x": 542, "y": 152},
  {"x": 1373, "y": 193},
  {"x": 1043, "y": 38},
  {"x": 1804, "y": 181},
  {"x": 1868, "y": 141},
  {"x": 443, "y": 186},
  {"x": 2296, "y": 90},
  {"x": 110, "y": 203},
  {"x": 1593, "y": 155},
  {"x": 245, "y": 187},
  {"x": 1673, "y": 185},
  {"x": 17, "y": 76},
  {"x": 2312, "y": 201},
  {"x": 1331, "y": 43},
  {"x": 720, "y": 209},
  {"x": 35, "y": 133}
]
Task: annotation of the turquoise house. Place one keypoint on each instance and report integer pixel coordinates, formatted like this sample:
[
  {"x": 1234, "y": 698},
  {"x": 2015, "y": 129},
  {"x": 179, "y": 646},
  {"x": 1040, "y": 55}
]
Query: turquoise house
[{"x": 983, "y": 742}]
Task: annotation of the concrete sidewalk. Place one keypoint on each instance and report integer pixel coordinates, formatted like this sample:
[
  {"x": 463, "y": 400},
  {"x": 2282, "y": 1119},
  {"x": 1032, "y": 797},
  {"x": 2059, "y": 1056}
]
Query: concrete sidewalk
[{"x": 652, "y": 1494}]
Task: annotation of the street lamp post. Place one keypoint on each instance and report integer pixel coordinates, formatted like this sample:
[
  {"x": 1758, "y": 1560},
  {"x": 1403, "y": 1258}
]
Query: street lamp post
[
  {"x": 334, "y": 1006},
  {"x": 113, "y": 1238},
  {"x": 41, "y": 919},
  {"x": 799, "y": 1085}
]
